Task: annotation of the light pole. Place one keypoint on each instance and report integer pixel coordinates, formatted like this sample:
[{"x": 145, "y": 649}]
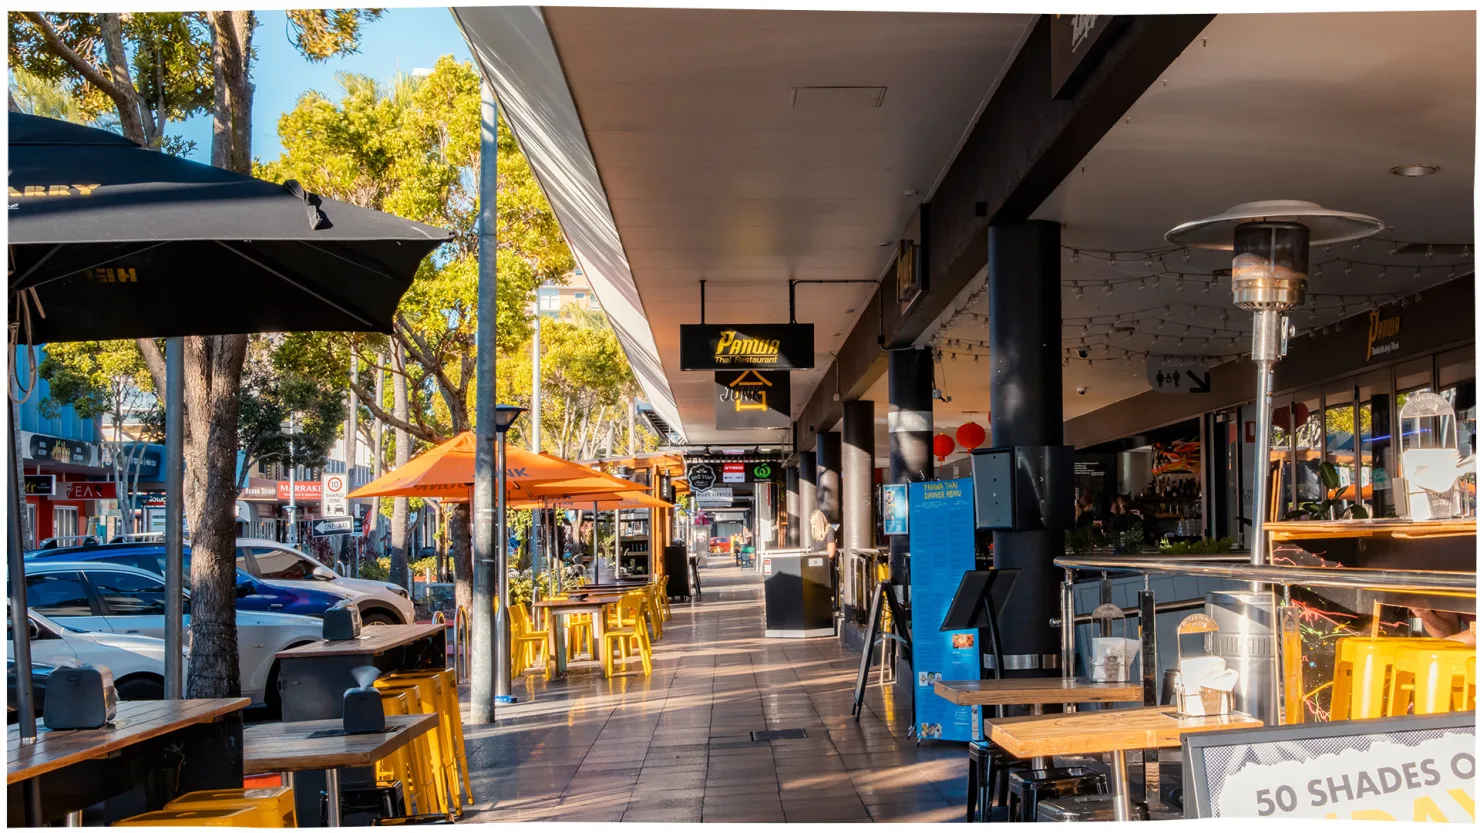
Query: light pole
[
  {"x": 504, "y": 416},
  {"x": 536, "y": 551},
  {"x": 291, "y": 429}
]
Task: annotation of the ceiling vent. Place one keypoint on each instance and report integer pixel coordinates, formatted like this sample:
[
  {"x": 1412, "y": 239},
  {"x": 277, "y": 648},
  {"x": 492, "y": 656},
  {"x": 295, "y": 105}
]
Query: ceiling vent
[{"x": 835, "y": 99}]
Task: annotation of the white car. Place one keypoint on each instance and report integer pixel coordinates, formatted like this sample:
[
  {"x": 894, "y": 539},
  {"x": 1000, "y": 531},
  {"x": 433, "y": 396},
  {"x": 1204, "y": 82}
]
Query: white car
[
  {"x": 98, "y": 596},
  {"x": 380, "y": 603},
  {"x": 137, "y": 662}
]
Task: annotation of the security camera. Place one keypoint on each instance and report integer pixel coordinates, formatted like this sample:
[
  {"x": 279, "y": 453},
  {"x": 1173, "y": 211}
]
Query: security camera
[
  {"x": 1081, "y": 390},
  {"x": 1083, "y": 354}
]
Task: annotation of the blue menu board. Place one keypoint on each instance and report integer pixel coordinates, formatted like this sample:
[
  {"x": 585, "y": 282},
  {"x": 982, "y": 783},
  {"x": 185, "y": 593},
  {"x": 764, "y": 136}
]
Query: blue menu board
[
  {"x": 942, "y": 548},
  {"x": 896, "y": 509}
]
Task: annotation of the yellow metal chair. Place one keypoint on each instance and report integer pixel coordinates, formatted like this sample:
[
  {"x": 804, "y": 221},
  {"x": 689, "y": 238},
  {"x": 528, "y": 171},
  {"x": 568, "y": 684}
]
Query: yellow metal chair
[
  {"x": 1431, "y": 679},
  {"x": 427, "y": 763},
  {"x": 528, "y": 643},
  {"x": 1362, "y": 683},
  {"x": 654, "y": 609},
  {"x": 448, "y": 747},
  {"x": 629, "y": 628},
  {"x": 450, "y": 711},
  {"x": 402, "y": 765},
  {"x": 273, "y": 805},
  {"x": 195, "y": 817}
]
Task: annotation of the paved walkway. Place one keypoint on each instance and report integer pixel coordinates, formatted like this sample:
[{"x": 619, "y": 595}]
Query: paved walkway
[{"x": 676, "y": 747}]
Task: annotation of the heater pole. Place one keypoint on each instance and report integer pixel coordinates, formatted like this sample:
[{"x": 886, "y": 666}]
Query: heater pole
[{"x": 1268, "y": 338}]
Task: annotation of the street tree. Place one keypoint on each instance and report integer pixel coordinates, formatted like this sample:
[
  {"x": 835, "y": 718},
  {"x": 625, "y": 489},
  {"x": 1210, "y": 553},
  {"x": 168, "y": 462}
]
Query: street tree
[{"x": 152, "y": 69}]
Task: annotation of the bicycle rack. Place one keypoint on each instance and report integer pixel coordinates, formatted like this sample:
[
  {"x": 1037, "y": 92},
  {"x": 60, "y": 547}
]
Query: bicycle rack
[{"x": 462, "y": 641}]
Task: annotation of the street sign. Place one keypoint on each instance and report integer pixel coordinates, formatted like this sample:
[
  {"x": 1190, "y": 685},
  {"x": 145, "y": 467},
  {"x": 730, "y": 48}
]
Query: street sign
[
  {"x": 334, "y": 526},
  {"x": 741, "y": 346},
  {"x": 752, "y": 399},
  {"x": 1177, "y": 377},
  {"x": 718, "y": 497},
  {"x": 335, "y": 502}
]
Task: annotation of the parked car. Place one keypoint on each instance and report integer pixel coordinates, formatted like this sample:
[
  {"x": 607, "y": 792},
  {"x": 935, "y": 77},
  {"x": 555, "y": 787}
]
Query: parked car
[
  {"x": 275, "y": 565},
  {"x": 39, "y": 673},
  {"x": 137, "y": 662},
  {"x": 97, "y": 596}
]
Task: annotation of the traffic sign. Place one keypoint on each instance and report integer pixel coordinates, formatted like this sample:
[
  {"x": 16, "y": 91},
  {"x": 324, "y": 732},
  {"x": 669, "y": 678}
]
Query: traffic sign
[
  {"x": 334, "y": 526},
  {"x": 334, "y": 502}
]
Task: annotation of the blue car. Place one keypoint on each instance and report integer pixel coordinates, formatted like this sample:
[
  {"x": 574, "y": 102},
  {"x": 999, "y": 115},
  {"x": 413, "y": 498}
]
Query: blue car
[{"x": 251, "y": 593}]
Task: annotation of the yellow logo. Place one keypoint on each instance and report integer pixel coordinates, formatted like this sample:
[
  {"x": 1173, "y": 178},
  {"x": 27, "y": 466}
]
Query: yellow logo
[
  {"x": 101, "y": 275},
  {"x": 748, "y": 391},
  {"x": 1381, "y": 329},
  {"x": 52, "y": 190},
  {"x": 733, "y": 347}
]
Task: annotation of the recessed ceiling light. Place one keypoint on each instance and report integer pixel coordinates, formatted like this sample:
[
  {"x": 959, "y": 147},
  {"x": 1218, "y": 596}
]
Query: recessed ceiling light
[
  {"x": 912, "y": 193},
  {"x": 1415, "y": 170},
  {"x": 848, "y": 310},
  {"x": 884, "y": 244}
]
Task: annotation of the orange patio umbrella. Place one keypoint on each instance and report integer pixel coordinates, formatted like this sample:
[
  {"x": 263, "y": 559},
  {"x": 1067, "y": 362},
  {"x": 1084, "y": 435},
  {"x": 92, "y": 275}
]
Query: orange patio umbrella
[
  {"x": 602, "y": 502},
  {"x": 446, "y": 471}
]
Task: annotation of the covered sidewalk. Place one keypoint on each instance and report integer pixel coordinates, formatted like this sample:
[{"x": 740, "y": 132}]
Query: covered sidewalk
[{"x": 676, "y": 746}]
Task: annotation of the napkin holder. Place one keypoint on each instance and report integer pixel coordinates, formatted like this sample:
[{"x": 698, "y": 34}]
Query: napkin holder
[
  {"x": 342, "y": 622},
  {"x": 363, "y": 710},
  {"x": 1111, "y": 656},
  {"x": 1194, "y": 698},
  {"x": 80, "y": 697}
]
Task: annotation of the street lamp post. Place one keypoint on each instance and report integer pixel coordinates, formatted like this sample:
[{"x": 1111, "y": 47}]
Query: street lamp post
[
  {"x": 504, "y": 417},
  {"x": 291, "y": 429}
]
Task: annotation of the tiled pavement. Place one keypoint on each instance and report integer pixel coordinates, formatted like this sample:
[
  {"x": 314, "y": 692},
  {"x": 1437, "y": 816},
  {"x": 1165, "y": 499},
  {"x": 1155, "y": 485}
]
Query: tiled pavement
[{"x": 676, "y": 747}]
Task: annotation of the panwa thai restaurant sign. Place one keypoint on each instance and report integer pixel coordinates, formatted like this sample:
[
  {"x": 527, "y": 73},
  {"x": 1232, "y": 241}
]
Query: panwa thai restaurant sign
[
  {"x": 744, "y": 346},
  {"x": 1382, "y": 332}
]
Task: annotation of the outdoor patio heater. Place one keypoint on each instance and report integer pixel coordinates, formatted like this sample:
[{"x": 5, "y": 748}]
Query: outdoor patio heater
[{"x": 1271, "y": 243}]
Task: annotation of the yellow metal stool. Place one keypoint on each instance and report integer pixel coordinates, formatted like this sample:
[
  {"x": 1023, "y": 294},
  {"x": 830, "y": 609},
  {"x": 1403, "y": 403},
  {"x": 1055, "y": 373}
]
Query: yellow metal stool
[
  {"x": 273, "y": 805},
  {"x": 400, "y": 766},
  {"x": 1430, "y": 679},
  {"x": 427, "y": 749},
  {"x": 193, "y": 817},
  {"x": 629, "y": 628},
  {"x": 655, "y": 609},
  {"x": 440, "y": 699},
  {"x": 529, "y": 643},
  {"x": 451, "y": 714},
  {"x": 1362, "y": 683}
]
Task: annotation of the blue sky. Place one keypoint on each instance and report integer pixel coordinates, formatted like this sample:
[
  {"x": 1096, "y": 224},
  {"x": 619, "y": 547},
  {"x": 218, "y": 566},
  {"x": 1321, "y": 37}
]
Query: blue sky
[{"x": 402, "y": 40}]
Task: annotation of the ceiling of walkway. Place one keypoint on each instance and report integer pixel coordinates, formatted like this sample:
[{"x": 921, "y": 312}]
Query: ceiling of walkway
[
  {"x": 745, "y": 148},
  {"x": 1313, "y": 107}
]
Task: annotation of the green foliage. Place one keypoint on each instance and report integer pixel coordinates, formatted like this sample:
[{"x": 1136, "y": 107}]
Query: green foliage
[
  {"x": 272, "y": 391},
  {"x": 1128, "y": 541},
  {"x": 1334, "y": 494},
  {"x": 1081, "y": 540},
  {"x": 1206, "y": 546},
  {"x": 95, "y": 378},
  {"x": 320, "y": 34}
]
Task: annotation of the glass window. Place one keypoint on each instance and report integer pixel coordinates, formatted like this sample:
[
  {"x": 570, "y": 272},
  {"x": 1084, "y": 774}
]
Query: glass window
[
  {"x": 30, "y": 530},
  {"x": 58, "y": 594},
  {"x": 282, "y": 564},
  {"x": 1298, "y": 435},
  {"x": 1375, "y": 412},
  {"x": 1341, "y": 440},
  {"x": 127, "y": 594},
  {"x": 64, "y": 523},
  {"x": 1457, "y": 386},
  {"x": 149, "y": 561}
]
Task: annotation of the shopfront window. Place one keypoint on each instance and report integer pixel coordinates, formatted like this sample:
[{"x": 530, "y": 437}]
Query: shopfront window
[
  {"x": 1340, "y": 418},
  {"x": 1375, "y": 413},
  {"x": 64, "y": 522},
  {"x": 30, "y": 531},
  {"x": 1300, "y": 451},
  {"x": 1457, "y": 386}
]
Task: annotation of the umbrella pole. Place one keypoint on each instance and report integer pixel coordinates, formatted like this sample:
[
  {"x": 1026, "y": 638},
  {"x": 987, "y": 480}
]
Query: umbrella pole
[
  {"x": 486, "y": 656},
  {"x": 20, "y": 622},
  {"x": 174, "y": 493}
]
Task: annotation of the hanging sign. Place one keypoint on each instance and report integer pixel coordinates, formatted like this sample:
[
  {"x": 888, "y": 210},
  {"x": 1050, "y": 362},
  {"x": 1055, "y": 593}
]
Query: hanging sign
[
  {"x": 1177, "y": 377},
  {"x": 90, "y": 490},
  {"x": 334, "y": 501},
  {"x": 742, "y": 346},
  {"x": 702, "y": 476},
  {"x": 718, "y": 497},
  {"x": 41, "y": 485},
  {"x": 58, "y": 450},
  {"x": 752, "y": 399},
  {"x": 302, "y": 490},
  {"x": 734, "y": 472}
]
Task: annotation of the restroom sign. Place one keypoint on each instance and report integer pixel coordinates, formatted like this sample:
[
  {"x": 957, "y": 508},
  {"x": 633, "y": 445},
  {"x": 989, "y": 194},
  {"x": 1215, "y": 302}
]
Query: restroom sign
[{"x": 752, "y": 399}]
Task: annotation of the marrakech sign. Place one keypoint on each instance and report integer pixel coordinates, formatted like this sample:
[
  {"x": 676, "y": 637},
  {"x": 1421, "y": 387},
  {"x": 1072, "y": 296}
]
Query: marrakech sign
[{"x": 744, "y": 346}]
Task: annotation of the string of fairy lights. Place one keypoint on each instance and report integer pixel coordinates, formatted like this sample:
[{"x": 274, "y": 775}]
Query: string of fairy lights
[{"x": 1191, "y": 332}]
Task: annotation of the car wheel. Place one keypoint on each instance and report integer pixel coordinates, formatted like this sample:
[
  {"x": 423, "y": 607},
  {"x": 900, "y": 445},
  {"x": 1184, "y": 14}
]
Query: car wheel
[
  {"x": 141, "y": 688},
  {"x": 378, "y": 617},
  {"x": 272, "y": 701}
]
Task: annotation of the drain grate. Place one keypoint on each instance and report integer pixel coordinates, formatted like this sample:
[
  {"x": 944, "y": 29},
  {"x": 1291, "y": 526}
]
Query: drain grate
[{"x": 778, "y": 734}]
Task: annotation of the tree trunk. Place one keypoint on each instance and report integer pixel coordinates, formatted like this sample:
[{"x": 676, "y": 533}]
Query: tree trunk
[
  {"x": 213, "y": 368},
  {"x": 400, "y": 510},
  {"x": 460, "y": 542},
  {"x": 378, "y": 467}
]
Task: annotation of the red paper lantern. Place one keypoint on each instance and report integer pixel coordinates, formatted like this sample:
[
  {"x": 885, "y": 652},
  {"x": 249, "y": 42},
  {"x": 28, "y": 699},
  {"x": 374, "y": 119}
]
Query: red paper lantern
[
  {"x": 970, "y": 435},
  {"x": 943, "y": 445}
]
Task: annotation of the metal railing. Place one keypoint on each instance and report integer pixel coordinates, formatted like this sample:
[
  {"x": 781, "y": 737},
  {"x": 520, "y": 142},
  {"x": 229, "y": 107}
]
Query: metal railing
[
  {"x": 462, "y": 642},
  {"x": 1399, "y": 581}
]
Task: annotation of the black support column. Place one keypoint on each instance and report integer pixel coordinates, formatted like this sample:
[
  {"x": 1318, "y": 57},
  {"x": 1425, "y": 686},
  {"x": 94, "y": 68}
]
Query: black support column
[
  {"x": 911, "y": 421},
  {"x": 1027, "y": 410},
  {"x": 794, "y": 519},
  {"x": 858, "y": 516},
  {"x": 806, "y": 495}
]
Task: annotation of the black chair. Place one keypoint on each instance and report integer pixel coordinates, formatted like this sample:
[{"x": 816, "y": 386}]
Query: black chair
[
  {"x": 1026, "y": 789},
  {"x": 986, "y": 779},
  {"x": 364, "y": 802}
]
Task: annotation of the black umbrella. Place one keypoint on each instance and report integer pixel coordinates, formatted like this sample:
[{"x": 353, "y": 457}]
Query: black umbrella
[
  {"x": 109, "y": 240},
  {"x": 122, "y": 242}
]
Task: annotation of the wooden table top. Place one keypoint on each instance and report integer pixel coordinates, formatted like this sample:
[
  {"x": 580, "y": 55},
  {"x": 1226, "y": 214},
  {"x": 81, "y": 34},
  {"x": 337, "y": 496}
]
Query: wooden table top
[
  {"x": 375, "y": 639},
  {"x": 591, "y": 600},
  {"x": 1088, "y": 733},
  {"x": 287, "y": 747},
  {"x": 136, "y": 721},
  {"x": 1376, "y": 528},
  {"x": 1036, "y": 691}
]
